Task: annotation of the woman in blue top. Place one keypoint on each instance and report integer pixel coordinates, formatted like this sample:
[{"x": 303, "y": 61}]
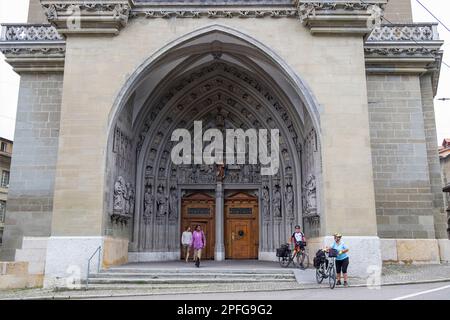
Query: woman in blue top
[{"x": 341, "y": 260}]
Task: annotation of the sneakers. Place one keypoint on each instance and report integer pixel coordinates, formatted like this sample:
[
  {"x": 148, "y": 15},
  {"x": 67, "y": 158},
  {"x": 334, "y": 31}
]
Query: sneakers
[
  {"x": 338, "y": 283},
  {"x": 345, "y": 284},
  {"x": 197, "y": 262}
]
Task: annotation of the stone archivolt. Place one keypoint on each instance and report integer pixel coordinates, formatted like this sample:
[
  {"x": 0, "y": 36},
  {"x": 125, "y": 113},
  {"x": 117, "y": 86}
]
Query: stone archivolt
[{"x": 221, "y": 95}]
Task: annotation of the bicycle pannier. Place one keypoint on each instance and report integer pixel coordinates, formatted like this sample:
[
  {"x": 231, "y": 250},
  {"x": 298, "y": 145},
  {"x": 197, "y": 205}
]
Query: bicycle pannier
[
  {"x": 283, "y": 251},
  {"x": 319, "y": 259}
]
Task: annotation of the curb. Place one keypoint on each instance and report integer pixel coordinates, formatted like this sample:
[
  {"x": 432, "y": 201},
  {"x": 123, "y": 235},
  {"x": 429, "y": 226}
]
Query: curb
[{"x": 141, "y": 294}]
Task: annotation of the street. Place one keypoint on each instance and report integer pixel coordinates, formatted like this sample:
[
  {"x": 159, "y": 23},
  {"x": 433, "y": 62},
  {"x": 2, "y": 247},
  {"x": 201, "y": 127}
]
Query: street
[{"x": 430, "y": 291}]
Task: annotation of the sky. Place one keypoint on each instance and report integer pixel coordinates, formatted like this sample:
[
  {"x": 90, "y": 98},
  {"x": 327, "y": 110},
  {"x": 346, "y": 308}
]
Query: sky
[{"x": 15, "y": 11}]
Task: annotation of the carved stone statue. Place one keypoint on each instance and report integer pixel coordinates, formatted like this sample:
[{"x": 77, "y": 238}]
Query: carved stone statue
[
  {"x": 289, "y": 201},
  {"x": 173, "y": 204},
  {"x": 277, "y": 202},
  {"x": 266, "y": 202},
  {"x": 161, "y": 201},
  {"x": 127, "y": 198},
  {"x": 119, "y": 195},
  {"x": 310, "y": 191},
  {"x": 148, "y": 204},
  {"x": 131, "y": 198},
  {"x": 123, "y": 201}
]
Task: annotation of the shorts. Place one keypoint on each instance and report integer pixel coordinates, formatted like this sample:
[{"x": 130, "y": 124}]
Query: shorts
[{"x": 342, "y": 265}]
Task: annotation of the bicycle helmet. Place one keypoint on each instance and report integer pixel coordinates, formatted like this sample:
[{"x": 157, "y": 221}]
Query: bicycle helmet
[
  {"x": 297, "y": 227},
  {"x": 337, "y": 235}
]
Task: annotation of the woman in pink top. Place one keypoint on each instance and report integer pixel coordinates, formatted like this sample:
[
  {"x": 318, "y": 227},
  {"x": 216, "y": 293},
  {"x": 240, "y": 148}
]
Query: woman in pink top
[{"x": 198, "y": 243}]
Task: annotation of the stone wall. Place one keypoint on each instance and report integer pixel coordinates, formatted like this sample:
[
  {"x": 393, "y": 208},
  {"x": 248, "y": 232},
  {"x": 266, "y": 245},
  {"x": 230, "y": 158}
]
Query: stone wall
[
  {"x": 30, "y": 199},
  {"x": 399, "y": 11},
  {"x": 404, "y": 199}
]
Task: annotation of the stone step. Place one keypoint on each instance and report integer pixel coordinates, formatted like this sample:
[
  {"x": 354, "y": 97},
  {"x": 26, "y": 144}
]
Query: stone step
[
  {"x": 165, "y": 275},
  {"x": 180, "y": 280},
  {"x": 196, "y": 270}
]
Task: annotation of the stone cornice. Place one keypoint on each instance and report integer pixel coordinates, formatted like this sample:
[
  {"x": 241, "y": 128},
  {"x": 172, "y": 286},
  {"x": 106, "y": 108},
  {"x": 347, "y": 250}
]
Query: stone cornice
[
  {"x": 109, "y": 16},
  {"x": 33, "y": 48},
  {"x": 340, "y": 16},
  {"x": 404, "y": 49},
  {"x": 87, "y": 16}
]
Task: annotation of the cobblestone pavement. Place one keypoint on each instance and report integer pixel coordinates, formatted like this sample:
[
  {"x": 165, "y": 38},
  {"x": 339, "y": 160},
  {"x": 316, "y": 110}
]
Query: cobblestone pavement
[{"x": 391, "y": 274}]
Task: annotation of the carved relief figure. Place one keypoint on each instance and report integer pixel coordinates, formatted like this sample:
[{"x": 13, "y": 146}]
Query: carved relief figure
[
  {"x": 277, "y": 202},
  {"x": 148, "y": 204},
  {"x": 289, "y": 201}
]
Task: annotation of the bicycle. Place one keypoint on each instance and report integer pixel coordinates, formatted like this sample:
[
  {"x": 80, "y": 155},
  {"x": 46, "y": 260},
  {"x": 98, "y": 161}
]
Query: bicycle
[
  {"x": 300, "y": 260},
  {"x": 327, "y": 269}
]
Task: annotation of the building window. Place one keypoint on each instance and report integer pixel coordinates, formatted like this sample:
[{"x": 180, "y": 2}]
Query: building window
[
  {"x": 2, "y": 211},
  {"x": 5, "y": 179},
  {"x": 3, "y": 147}
]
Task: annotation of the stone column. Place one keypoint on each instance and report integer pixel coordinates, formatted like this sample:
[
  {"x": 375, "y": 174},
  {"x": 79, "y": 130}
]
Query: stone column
[{"x": 219, "y": 251}]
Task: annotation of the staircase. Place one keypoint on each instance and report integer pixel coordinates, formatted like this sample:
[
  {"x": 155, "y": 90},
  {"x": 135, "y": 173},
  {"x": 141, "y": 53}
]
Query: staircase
[{"x": 135, "y": 277}]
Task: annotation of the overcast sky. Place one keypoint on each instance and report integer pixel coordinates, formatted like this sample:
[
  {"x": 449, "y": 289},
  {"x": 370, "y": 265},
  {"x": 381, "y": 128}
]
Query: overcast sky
[{"x": 16, "y": 11}]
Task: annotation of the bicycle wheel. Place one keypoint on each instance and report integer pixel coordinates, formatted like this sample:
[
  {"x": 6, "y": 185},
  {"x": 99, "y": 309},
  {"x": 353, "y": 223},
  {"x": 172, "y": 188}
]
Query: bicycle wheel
[
  {"x": 299, "y": 260},
  {"x": 319, "y": 275},
  {"x": 332, "y": 275},
  {"x": 284, "y": 261},
  {"x": 305, "y": 260}
]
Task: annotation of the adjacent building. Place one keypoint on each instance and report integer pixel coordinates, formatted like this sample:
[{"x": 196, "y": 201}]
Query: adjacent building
[
  {"x": 444, "y": 156},
  {"x": 105, "y": 84},
  {"x": 5, "y": 168}
]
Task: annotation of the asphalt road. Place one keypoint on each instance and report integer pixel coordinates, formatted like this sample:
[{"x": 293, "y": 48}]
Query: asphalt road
[{"x": 430, "y": 291}]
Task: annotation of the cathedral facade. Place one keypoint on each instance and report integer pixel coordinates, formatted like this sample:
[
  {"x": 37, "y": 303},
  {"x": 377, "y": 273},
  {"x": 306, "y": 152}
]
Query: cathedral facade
[{"x": 348, "y": 84}]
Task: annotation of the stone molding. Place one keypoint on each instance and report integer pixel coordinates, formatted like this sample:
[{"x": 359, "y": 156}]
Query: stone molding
[
  {"x": 87, "y": 17},
  {"x": 33, "y": 48},
  {"x": 404, "y": 49}
]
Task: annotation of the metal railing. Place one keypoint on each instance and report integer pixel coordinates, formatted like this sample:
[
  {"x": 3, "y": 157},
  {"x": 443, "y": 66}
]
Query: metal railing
[{"x": 99, "y": 251}]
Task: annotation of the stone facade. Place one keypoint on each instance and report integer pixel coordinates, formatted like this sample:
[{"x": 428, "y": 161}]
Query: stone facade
[{"x": 92, "y": 166}]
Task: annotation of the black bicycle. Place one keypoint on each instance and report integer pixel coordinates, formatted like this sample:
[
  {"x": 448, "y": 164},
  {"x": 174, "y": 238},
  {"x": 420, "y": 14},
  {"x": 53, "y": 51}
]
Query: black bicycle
[
  {"x": 286, "y": 256},
  {"x": 326, "y": 268}
]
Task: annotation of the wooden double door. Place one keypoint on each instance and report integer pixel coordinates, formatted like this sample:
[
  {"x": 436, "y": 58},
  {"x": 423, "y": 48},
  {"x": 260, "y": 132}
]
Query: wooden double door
[
  {"x": 241, "y": 230},
  {"x": 199, "y": 209},
  {"x": 241, "y": 226}
]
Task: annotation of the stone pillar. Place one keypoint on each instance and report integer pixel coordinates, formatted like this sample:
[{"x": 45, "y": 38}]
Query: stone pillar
[{"x": 219, "y": 250}]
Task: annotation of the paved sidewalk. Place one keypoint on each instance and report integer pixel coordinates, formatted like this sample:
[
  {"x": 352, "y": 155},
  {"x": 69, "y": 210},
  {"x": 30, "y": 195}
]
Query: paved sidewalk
[{"x": 391, "y": 274}]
